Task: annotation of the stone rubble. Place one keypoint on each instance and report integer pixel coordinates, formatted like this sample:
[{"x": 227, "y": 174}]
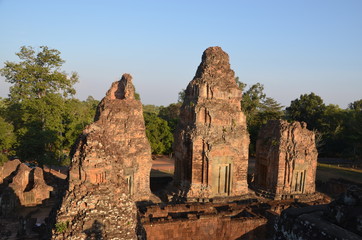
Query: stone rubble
[{"x": 339, "y": 220}]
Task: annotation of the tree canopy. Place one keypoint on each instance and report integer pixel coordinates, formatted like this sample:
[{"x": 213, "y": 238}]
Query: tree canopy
[
  {"x": 258, "y": 108},
  {"x": 308, "y": 108},
  {"x": 158, "y": 133},
  {"x": 37, "y": 98},
  {"x": 38, "y": 74}
]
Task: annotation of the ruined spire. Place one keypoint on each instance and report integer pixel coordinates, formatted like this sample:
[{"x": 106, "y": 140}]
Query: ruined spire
[
  {"x": 215, "y": 66},
  {"x": 122, "y": 89},
  {"x": 110, "y": 169},
  {"x": 211, "y": 139}
]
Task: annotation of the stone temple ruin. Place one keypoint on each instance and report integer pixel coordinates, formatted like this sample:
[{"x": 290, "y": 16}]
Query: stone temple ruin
[
  {"x": 286, "y": 160},
  {"x": 111, "y": 167},
  {"x": 211, "y": 141},
  {"x": 110, "y": 170},
  {"x": 108, "y": 194},
  {"x": 21, "y": 186}
]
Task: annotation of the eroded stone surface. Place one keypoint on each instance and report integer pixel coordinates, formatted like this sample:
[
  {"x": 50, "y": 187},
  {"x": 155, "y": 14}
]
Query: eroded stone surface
[
  {"x": 286, "y": 159},
  {"x": 40, "y": 189},
  {"x": 110, "y": 170},
  {"x": 201, "y": 221},
  {"x": 211, "y": 141},
  {"x": 29, "y": 186},
  {"x": 21, "y": 187},
  {"x": 8, "y": 168},
  {"x": 341, "y": 219},
  {"x": 245, "y": 219}
]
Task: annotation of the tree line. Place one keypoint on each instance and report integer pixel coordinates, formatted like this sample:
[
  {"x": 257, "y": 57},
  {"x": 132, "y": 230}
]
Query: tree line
[{"x": 41, "y": 118}]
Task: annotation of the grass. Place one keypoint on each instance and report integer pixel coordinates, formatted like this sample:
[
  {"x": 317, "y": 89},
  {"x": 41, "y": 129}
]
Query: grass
[
  {"x": 60, "y": 227},
  {"x": 327, "y": 171}
]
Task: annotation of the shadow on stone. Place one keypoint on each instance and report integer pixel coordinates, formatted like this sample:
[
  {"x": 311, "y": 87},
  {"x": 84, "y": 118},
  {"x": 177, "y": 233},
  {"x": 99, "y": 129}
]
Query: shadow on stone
[
  {"x": 95, "y": 232},
  {"x": 260, "y": 233},
  {"x": 30, "y": 184},
  {"x": 159, "y": 184}
]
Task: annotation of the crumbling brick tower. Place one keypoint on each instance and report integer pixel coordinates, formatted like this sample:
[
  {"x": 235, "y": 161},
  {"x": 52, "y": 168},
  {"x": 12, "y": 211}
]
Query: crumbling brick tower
[
  {"x": 286, "y": 160},
  {"x": 211, "y": 140},
  {"x": 110, "y": 170}
]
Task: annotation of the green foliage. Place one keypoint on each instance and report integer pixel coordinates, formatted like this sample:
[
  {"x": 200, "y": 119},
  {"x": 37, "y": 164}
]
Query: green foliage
[
  {"x": 338, "y": 131},
  {"x": 137, "y": 96},
  {"x": 151, "y": 109},
  {"x": 308, "y": 108},
  {"x": 258, "y": 108},
  {"x": 37, "y": 98},
  {"x": 3, "y": 106},
  {"x": 38, "y": 74},
  {"x": 171, "y": 114},
  {"x": 329, "y": 135},
  {"x": 352, "y": 132},
  {"x": 7, "y": 137},
  {"x": 356, "y": 105},
  {"x": 181, "y": 96},
  {"x": 160, "y": 123},
  {"x": 3, "y": 159},
  {"x": 241, "y": 85},
  {"x": 77, "y": 115},
  {"x": 158, "y": 133},
  {"x": 60, "y": 227}
]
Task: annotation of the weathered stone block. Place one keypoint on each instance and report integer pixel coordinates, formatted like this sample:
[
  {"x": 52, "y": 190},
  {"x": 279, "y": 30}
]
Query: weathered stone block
[
  {"x": 286, "y": 159},
  {"x": 341, "y": 219},
  {"x": 8, "y": 168}
]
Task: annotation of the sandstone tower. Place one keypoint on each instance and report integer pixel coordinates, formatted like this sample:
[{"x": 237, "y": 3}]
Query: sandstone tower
[
  {"x": 286, "y": 160},
  {"x": 211, "y": 140},
  {"x": 110, "y": 170}
]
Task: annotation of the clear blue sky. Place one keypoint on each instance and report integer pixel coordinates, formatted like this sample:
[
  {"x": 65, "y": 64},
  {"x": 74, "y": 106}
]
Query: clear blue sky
[{"x": 292, "y": 47}]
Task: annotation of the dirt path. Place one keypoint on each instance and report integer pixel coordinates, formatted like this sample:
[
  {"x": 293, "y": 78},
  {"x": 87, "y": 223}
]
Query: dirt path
[{"x": 163, "y": 163}]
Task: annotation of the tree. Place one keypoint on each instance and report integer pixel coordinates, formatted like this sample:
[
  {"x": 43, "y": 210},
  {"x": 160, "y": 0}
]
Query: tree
[
  {"x": 241, "y": 85},
  {"x": 158, "y": 133},
  {"x": 3, "y": 107},
  {"x": 38, "y": 74},
  {"x": 252, "y": 101},
  {"x": 356, "y": 105},
  {"x": 151, "y": 108},
  {"x": 171, "y": 114},
  {"x": 352, "y": 131},
  {"x": 77, "y": 115},
  {"x": 37, "y": 100},
  {"x": 181, "y": 96},
  {"x": 258, "y": 108},
  {"x": 308, "y": 108},
  {"x": 7, "y": 140},
  {"x": 331, "y": 132}
]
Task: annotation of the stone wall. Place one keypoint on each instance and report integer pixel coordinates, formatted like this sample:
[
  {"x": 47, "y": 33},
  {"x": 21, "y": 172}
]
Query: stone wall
[
  {"x": 286, "y": 160},
  {"x": 200, "y": 221},
  {"x": 244, "y": 219},
  {"x": 211, "y": 140}
]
